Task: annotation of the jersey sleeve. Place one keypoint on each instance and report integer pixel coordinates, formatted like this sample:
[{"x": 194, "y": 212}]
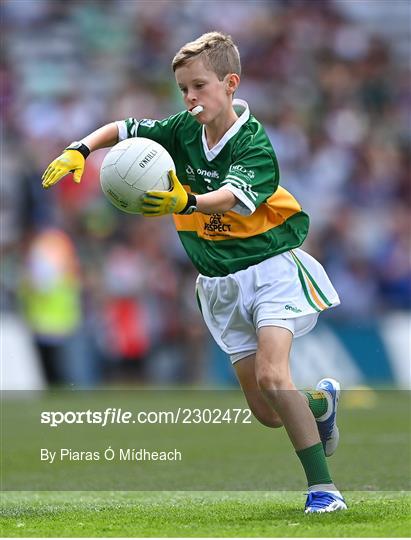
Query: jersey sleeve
[
  {"x": 162, "y": 131},
  {"x": 252, "y": 178}
]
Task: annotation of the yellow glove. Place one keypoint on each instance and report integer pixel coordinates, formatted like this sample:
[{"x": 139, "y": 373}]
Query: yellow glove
[
  {"x": 174, "y": 201},
  {"x": 71, "y": 160}
]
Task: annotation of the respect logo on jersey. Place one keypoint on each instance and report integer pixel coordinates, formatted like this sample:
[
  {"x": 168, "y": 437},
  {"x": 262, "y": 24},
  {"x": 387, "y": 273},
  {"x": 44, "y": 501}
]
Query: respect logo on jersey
[{"x": 215, "y": 224}]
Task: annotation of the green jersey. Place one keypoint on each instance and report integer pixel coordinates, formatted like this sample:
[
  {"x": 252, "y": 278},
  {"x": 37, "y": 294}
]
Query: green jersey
[{"x": 266, "y": 220}]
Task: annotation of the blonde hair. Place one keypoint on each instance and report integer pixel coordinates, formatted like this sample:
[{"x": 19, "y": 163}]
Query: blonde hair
[{"x": 217, "y": 50}]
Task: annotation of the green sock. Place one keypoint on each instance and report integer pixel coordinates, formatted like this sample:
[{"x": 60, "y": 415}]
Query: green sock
[
  {"x": 317, "y": 402},
  {"x": 315, "y": 465}
]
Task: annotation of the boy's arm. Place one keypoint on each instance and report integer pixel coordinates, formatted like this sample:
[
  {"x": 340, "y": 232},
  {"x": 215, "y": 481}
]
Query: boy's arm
[
  {"x": 73, "y": 160},
  {"x": 216, "y": 202},
  {"x": 74, "y": 156},
  {"x": 102, "y": 138}
]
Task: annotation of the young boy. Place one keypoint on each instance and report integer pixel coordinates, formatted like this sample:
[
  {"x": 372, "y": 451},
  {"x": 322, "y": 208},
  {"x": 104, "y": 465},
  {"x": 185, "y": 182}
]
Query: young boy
[{"x": 242, "y": 231}]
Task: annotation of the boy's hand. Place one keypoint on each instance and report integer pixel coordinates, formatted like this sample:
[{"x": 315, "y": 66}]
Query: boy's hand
[
  {"x": 174, "y": 201},
  {"x": 71, "y": 160}
]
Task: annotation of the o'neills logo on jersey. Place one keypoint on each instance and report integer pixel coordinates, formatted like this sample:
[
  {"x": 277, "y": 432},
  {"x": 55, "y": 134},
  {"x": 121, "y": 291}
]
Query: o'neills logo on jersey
[
  {"x": 191, "y": 177},
  {"x": 207, "y": 174},
  {"x": 216, "y": 225},
  {"x": 146, "y": 160}
]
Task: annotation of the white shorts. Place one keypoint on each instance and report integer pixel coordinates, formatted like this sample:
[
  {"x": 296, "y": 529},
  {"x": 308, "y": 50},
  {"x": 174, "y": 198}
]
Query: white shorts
[{"x": 289, "y": 290}]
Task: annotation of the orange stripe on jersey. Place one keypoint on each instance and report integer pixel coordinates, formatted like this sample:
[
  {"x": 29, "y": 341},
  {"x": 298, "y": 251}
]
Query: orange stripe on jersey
[{"x": 277, "y": 209}]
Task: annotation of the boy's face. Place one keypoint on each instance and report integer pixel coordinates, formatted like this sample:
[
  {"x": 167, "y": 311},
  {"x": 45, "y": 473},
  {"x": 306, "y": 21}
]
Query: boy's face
[{"x": 200, "y": 86}]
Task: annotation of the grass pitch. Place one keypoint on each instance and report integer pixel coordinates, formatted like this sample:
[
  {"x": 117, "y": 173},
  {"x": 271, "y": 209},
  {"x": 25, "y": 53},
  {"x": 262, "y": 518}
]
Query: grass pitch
[
  {"x": 372, "y": 468},
  {"x": 199, "y": 514}
]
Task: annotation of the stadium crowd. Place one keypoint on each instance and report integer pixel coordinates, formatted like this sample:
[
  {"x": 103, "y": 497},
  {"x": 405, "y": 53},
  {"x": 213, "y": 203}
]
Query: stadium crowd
[{"x": 328, "y": 79}]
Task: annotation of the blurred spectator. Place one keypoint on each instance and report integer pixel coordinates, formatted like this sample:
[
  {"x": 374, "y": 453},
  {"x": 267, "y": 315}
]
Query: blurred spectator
[{"x": 49, "y": 291}]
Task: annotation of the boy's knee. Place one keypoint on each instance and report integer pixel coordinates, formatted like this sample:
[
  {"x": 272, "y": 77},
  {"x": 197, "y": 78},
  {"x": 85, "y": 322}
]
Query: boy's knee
[{"x": 272, "y": 382}]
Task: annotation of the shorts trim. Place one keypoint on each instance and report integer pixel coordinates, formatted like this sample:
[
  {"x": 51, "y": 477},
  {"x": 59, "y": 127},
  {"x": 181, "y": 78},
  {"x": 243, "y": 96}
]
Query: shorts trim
[
  {"x": 289, "y": 324},
  {"x": 236, "y": 357},
  {"x": 315, "y": 284},
  {"x": 312, "y": 299}
]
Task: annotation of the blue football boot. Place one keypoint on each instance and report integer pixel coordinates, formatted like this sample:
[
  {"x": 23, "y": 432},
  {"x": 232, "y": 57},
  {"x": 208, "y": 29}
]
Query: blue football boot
[
  {"x": 324, "y": 501},
  {"x": 327, "y": 424}
]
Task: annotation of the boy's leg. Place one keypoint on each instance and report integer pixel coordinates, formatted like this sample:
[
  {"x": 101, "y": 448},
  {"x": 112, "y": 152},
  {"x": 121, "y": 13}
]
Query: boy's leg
[
  {"x": 274, "y": 380},
  {"x": 322, "y": 406},
  {"x": 261, "y": 409}
]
